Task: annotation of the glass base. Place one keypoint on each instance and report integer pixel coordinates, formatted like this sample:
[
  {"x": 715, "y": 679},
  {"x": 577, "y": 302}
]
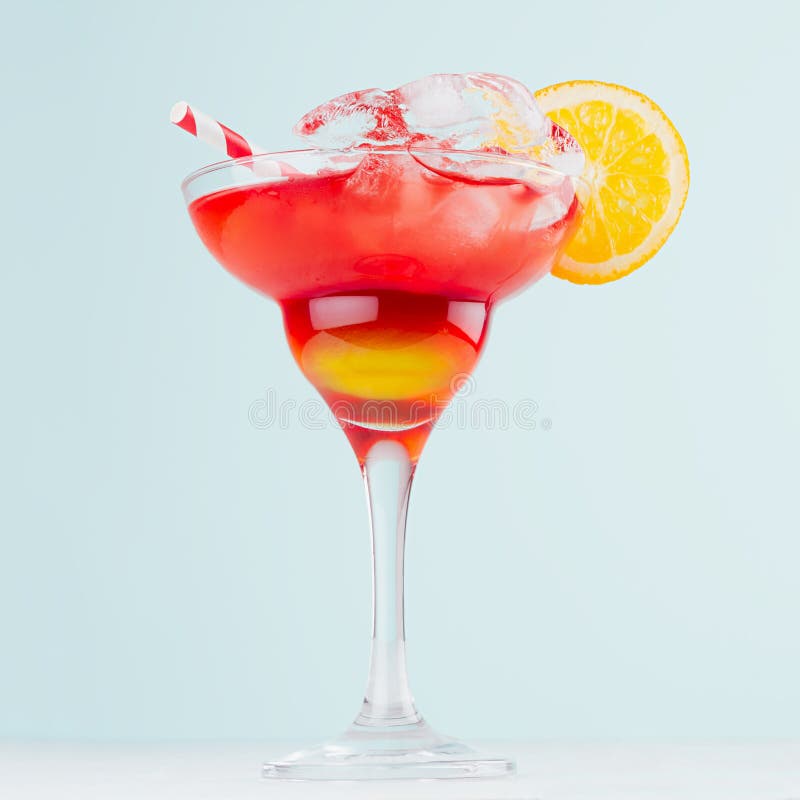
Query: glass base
[{"x": 393, "y": 752}]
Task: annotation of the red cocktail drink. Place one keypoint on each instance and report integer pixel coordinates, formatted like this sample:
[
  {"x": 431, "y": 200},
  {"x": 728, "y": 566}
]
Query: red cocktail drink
[{"x": 386, "y": 268}]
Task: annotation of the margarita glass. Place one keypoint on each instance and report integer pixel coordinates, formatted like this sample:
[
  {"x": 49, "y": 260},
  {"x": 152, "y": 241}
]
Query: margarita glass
[{"x": 387, "y": 264}]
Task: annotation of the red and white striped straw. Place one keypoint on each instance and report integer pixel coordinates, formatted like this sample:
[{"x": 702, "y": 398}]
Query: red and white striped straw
[{"x": 213, "y": 133}]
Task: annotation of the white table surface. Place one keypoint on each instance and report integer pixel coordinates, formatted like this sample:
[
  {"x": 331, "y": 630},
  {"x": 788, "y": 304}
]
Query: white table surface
[{"x": 547, "y": 771}]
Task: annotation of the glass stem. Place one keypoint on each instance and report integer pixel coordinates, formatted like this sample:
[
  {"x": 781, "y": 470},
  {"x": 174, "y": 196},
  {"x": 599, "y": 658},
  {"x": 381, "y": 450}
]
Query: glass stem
[{"x": 388, "y": 472}]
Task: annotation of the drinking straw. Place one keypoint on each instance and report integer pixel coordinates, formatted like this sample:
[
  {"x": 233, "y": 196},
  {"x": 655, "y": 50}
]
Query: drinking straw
[
  {"x": 213, "y": 133},
  {"x": 220, "y": 136}
]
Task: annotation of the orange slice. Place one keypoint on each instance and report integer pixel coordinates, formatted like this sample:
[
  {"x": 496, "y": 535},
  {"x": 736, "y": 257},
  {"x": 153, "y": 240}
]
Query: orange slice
[{"x": 637, "y": 173}]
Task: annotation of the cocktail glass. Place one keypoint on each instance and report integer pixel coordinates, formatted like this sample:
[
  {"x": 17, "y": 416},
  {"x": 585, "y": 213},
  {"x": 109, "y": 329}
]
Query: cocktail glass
[{"x": 387, "y": 265}]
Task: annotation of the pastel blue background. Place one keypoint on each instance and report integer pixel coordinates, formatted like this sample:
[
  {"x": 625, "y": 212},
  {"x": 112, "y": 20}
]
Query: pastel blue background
[{"x": 168, "y": 570}]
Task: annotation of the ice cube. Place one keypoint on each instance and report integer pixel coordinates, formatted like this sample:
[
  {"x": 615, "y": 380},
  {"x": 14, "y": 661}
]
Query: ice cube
[
  {"x": 350, "y": 120},
  {"x": 486, "y": 168},
  {"x": 473, "y": 111},
  {"x": 374, "y": 176}
]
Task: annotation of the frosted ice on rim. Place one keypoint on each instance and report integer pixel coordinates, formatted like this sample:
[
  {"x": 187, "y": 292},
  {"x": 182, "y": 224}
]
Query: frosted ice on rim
[{"x": 471, "y": 111}]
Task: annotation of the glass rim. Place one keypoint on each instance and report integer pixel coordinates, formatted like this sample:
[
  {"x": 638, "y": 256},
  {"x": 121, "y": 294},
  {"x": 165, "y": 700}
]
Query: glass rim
[{"x": 228, "y": 163}]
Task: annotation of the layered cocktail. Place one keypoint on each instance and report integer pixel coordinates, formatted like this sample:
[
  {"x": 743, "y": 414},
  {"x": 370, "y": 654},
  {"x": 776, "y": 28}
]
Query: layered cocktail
[{"x": 387, "y": 271}]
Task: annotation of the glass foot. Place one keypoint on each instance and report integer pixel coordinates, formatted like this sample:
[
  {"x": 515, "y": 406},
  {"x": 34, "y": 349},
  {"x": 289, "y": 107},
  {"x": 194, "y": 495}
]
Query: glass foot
[{"x": 393, "y": 752}]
